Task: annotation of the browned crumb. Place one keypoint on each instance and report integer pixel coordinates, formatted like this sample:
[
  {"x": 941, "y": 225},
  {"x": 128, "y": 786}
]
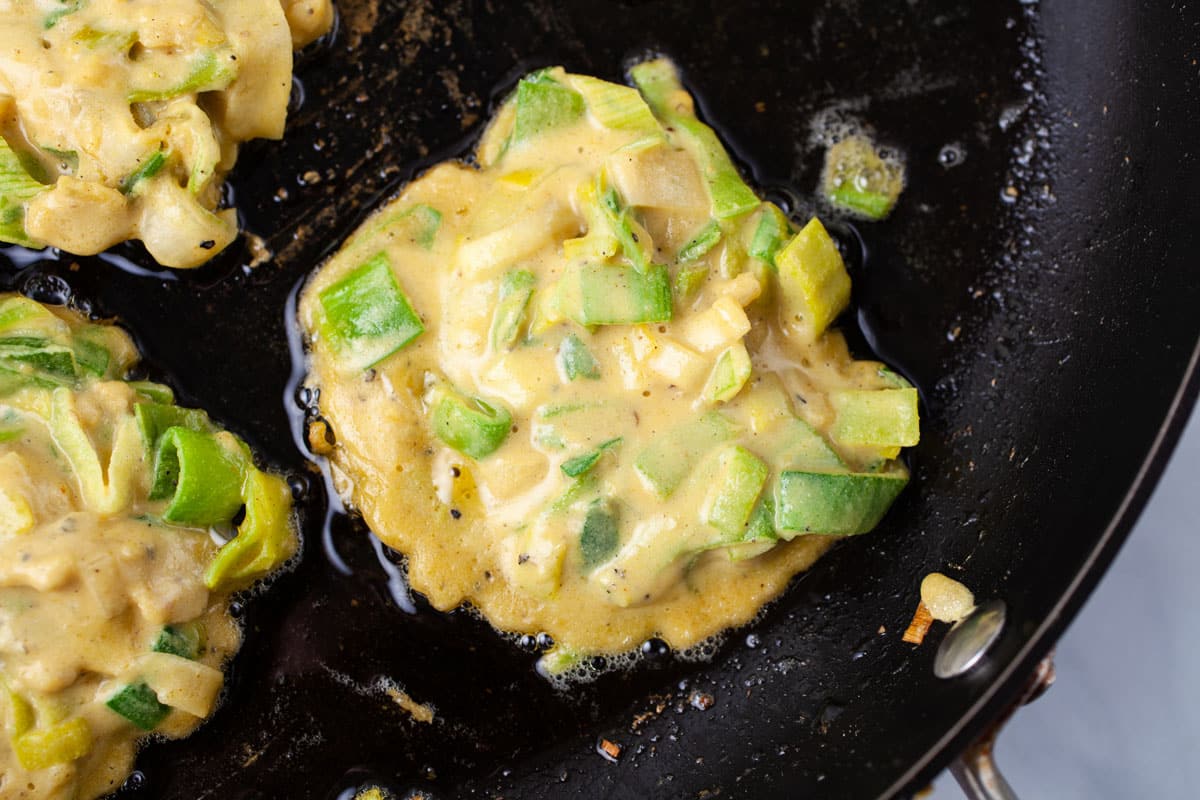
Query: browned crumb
[{"x": 919, "y": 626}]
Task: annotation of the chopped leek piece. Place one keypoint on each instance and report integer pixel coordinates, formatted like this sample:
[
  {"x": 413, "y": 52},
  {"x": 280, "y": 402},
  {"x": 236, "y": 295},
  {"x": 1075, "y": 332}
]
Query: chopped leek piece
[
  {"x": 739, "y": 481},
  {"x": 729, "y": 375},
  {"x": 879, "y": 418},
  {"x": 367, "y": 317},
  {"x": 68, "y": 7},
  {"x": 659, "y": 84},
  {"x": 146, "y": 170},
  {"x": 470, "y": 425},
  {"x": 17, "y": 187},
  {"x": 211, "y": 71},
  {"x": 688, "y": 281},
  {"x": 813, "y": 280},
  {"x": 698, "y": 246},
  {"x": 598, "y": 294},
  {"x": 671, "y": 455},
  {"x": 575, "y": 361},
  {"x": 600, "y": 535},
  {"x": 264, "y": 540},
  {"x": 138, "y": 703},
  {"x": 615, "y": 106},
  {"x": 635, "y": 241},
  {"x": 574, "y": 467},
  {"x": 543, "y": 104},
  {"x": 202, "y": 479},
  {"x": 516, "y": 287},
  {"x": 831, "y": 503}
]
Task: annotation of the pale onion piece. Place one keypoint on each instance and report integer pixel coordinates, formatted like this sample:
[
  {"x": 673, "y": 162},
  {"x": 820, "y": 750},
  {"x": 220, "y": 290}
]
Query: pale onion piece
[
  {"x": 947, "y": 599},
  {"x": 677, "y": 364},
  {"x": 79, "y": 216},
  {"x": 16, "y": 517},
  {"x": 745, "y": 289},
  {"x": 177, "y": 230},
  {"x": 308, "y": 20},
  {"x": 530, "y": 232},
  {"x": 716, "y": 328},
  {"x": 255, "y": 104},
  {"x": 534, "y": 561},
  {"x": 180, "y": 682},
  {"x": 658, "y": 177}
]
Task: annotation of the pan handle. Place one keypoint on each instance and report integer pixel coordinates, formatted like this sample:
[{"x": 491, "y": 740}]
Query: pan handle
[
  {"x": 978, "y": 776},
  {"x": 976, "y": 770}
]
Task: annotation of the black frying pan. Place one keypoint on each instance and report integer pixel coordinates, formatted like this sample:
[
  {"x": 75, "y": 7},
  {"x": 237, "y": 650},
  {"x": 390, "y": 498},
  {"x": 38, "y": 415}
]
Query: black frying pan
[{"x": 1053, "y": 333}]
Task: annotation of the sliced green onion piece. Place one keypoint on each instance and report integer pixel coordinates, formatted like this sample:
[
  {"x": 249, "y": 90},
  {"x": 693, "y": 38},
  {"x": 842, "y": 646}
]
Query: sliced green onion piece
[
  {"x": 660, "y": 85},
  {"x": 635, "y": 241},
  {"x": 739, "y": 481},
  {"x": 600, "y": 535},
  {"x": 516, "y": 287},
  {"x": 202, "y": 479},
  {"x": 69, "y": 7},
  {"x": 179, "y": 640},
  {"x": 699, "y": 245},
  {"x": 836, "y": 504},
  {"x": 857, "y": 179},
  {"x": 470, "y": 425},
  {"x": 581, "y": 464},
  {"x": 367, "y": 316},
  {"x": 146, "y": 170},
  {"x": 575, "y": 360},
  {"x": 543, "y": 104},
  {"x": 138, "y": 703},
  {"x": 154, "y": 419},
  {"x": 155, "y": 393},
  {"x": 264, "y": 540}
]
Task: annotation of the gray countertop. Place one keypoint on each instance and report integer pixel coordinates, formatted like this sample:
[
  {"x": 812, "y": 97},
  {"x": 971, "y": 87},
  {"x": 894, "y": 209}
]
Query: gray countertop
[{"x": 1123, "y": 719}]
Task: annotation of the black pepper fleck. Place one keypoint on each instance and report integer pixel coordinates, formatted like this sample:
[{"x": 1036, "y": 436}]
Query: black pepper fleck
[{"x": 454, "y": 512}]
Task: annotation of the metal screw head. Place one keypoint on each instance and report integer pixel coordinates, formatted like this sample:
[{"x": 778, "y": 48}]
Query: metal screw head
[{"x": 967, "y": 642}]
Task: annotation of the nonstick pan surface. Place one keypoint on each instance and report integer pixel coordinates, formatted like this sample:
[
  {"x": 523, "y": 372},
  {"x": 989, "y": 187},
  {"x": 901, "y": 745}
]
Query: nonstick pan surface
[{"x": 1037, "y": 282}]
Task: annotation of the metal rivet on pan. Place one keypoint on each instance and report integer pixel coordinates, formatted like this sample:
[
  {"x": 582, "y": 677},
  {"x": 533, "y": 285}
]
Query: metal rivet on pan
[{"x": 967, "y": 642}]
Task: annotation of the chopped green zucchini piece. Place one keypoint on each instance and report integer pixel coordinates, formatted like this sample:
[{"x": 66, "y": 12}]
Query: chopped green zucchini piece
[
  {"x": 599, "y": 294},
  {"x": 543, "y": 104},
  {"x": 659, "y": 84},
  {"x": 201, "y": 479},
  {"x": 601, "y": 533},
  {"x": 772, "y": 231},
  {"x": 831, "y": 503},
  {"x": 738, "y": 482},
  {"x": 576, "y": 361},
  {"x": 671, "y": 455},
  {"x": 138, "y": 703},
  {"x": 876, "y": 418},
  {"x": 761, "y": 527},
  {"x": 728, "y": 375},
  {"x": 699, "y": 245},
  {"x": 799, "y": 446},
  {"x": 813, "y": 280},
  {"x": 179, "y": 640},
  {"x": 367, "y": 317},
  {"x": 516, "y": 287},
  {"x": 688, "y": 281},
  {"x": 470, "y": 425},
  {"x": 857, "y": 179}
]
